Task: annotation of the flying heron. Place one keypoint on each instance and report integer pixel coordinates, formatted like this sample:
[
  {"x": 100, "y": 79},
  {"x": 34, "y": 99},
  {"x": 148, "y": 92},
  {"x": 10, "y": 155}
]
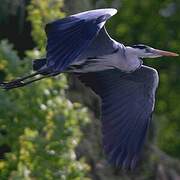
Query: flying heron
[{"x": 80, "y": 44}]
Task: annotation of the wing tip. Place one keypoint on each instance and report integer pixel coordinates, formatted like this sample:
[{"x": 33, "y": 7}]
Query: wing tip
[
  {"x": 109, "y": 11},
  {"x": 126, "y": 163},
  {"x": 101, "y": 11},
  {"x": 113, "y": 11}
]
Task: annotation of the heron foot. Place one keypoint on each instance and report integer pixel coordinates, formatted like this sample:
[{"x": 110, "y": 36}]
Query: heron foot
[{"x": 11, "y": 85}]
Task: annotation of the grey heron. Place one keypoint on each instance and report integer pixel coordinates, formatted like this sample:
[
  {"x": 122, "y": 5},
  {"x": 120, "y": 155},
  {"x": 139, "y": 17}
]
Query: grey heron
[{"x": 80, "y": 44}]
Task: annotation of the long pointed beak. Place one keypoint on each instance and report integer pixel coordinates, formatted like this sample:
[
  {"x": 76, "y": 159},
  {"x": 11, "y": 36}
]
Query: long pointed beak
[{"x": 164, "y": 53}]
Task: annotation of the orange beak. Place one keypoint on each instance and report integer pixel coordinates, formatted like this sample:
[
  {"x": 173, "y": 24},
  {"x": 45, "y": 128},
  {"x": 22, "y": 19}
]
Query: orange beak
[{"x": 164, "y": 53}]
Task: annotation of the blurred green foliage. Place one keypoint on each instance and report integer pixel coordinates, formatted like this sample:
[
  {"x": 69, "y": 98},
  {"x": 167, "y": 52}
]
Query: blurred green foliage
[
  {"x": 39, "y": 125},
  {"x": 40, "y": 13},
  {"x": 9, "y": 8}
]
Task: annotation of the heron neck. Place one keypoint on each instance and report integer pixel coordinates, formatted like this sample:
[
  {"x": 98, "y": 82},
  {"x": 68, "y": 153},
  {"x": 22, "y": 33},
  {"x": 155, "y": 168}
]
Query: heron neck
[{"x": 133, "y": 61}]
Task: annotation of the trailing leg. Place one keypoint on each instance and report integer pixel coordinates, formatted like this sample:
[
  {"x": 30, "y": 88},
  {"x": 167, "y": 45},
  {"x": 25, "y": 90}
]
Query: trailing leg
[{"x": 20, "y": 82}]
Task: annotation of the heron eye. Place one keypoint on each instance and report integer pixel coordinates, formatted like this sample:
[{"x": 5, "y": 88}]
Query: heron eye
[{"x": 147, "y": 50}]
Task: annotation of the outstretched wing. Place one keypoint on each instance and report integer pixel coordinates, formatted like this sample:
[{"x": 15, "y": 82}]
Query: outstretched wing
[
  {"x": 127, "y": 104},
  {"x": 68, "y": 38}
]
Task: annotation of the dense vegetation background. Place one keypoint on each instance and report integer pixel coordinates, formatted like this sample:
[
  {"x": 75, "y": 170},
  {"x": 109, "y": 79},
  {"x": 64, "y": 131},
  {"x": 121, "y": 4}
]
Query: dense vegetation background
[{"x": 45, "y": 133}]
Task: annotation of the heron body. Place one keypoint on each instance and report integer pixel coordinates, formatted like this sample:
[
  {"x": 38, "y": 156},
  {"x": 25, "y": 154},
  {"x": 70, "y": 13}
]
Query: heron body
[
  {"x": 80, "y": 44},
  {"x": 117, "y": 59}
]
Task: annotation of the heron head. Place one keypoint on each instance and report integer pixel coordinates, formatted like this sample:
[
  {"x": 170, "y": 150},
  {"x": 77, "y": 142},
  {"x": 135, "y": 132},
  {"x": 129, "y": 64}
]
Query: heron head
[{"x": 143, "y": 51}]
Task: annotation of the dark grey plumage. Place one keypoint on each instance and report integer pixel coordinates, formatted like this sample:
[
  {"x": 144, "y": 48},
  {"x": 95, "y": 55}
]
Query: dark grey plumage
[{"x": 127, "y": 104}]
